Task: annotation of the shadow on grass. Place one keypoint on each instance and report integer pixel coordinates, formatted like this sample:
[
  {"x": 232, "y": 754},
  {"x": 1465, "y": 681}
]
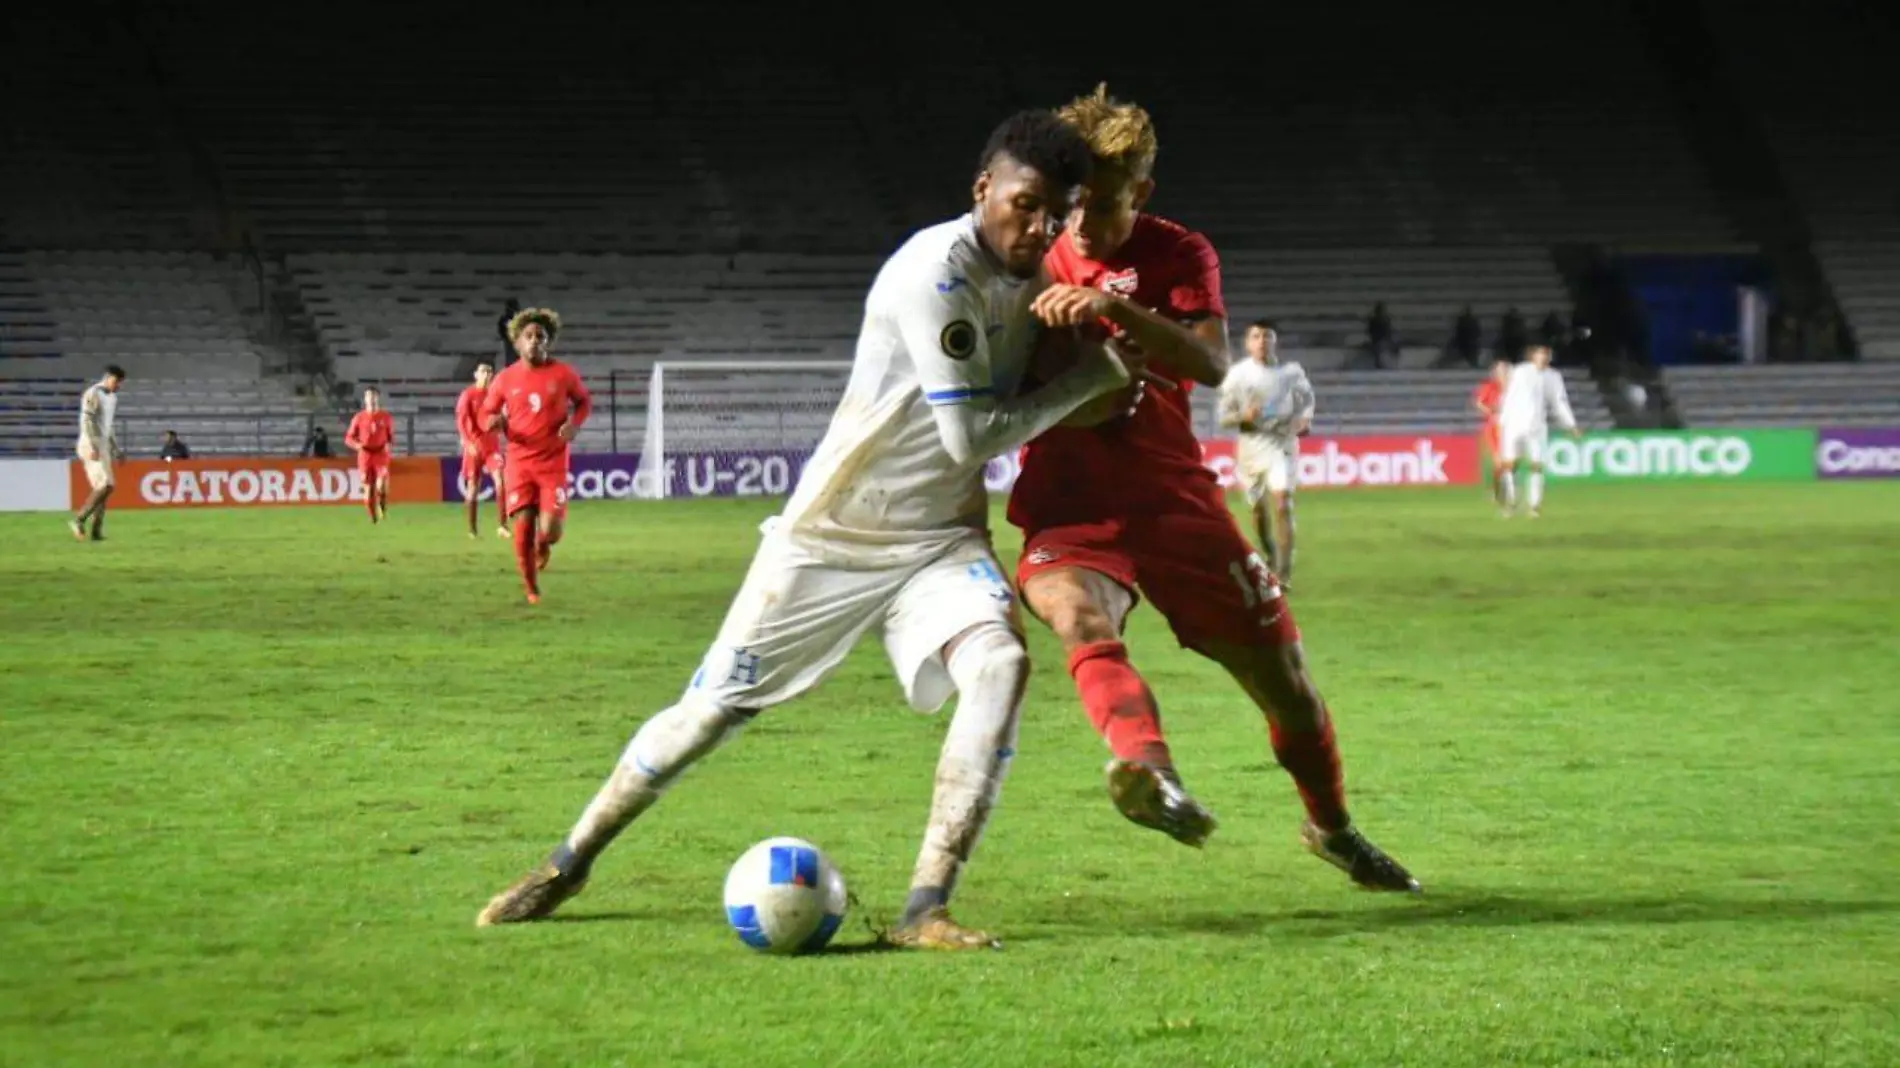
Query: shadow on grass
[{"x": 1498, "y": 910}]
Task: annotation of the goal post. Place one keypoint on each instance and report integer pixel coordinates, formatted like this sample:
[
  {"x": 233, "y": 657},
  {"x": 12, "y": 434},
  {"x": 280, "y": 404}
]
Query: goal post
[{"x": 734, "y": 428}]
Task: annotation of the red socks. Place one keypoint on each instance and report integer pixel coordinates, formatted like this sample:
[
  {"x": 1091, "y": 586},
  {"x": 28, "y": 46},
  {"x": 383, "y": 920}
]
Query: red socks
[
  {"x": 1312, "y": 758},
  {"x": 369, "y": 498},
  {"x": 1119, "y": 703},
  {"x": 524, "y": 553}
]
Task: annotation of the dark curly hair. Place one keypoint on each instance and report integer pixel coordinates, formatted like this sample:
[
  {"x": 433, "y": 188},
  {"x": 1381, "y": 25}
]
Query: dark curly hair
[{"x": 1040, "y": 139}]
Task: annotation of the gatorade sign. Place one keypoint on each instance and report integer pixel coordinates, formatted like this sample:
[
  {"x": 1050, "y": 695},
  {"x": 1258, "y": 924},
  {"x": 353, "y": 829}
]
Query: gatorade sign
[{"x": 1681, "y": 454}]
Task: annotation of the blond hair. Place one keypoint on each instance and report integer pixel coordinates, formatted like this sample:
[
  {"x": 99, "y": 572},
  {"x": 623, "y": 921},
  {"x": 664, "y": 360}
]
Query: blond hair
[
  {"x": 549, "y": 319},
  {"x": 1121, "y": 136}
]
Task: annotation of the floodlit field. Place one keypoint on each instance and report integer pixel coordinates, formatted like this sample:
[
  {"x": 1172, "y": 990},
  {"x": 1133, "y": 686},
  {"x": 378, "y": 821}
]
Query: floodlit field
[{"x": 259, "y": 770}]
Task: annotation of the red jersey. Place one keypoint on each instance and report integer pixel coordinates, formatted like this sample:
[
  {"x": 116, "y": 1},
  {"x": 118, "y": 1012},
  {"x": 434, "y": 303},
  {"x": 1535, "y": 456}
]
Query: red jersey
[
  {"x": 1075, "y": 474},
  {"x": 1490, "y": 396},
  {"x": 469, "y": 422},
  {"x": 371, "y": 432},
  {"x": 538, "y": 400}
]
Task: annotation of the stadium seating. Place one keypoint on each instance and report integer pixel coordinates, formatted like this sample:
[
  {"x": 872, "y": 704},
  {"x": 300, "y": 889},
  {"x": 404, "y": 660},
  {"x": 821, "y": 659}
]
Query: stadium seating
[
  {"x": 1826, "y": 109},
  {"x": 1406, "y": 402},
  {"x": 213, "y": 416},
  {"x": 160, "y": 314},
  {"x": 1320, "y": 297},
  {"x": 1834, "y": 394}
]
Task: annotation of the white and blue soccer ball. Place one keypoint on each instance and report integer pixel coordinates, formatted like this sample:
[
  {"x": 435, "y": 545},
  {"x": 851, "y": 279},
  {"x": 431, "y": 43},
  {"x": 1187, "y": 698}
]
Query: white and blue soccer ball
[{"x": 785, "y": 896}]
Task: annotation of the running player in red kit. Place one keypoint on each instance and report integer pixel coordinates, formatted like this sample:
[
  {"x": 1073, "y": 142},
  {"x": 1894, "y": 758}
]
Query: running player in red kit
[
  {"x": 1127, "y": 504},
  {"x": 1488, "y": 399},
  {"x": 544, "y": 404},
  {"x": 481, "y": 451},
  {"x": 370, "y": 434}
]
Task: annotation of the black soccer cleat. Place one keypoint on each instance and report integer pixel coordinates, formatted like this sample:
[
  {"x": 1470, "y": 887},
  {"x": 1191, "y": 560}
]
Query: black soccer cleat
[{"x": 1368, "y": 865}]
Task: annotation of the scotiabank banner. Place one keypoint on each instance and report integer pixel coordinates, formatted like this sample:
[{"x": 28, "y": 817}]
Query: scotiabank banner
[
  {"x": 1368, "y": 460},
  {"x": 1858, "y": 453},
  {"x": 240, "y": 483}
]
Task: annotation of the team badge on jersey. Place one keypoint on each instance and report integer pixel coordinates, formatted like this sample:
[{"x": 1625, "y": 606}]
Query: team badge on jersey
[
  {"x": 1122, "y": 283},
  {"x": 958, "y": 339}
]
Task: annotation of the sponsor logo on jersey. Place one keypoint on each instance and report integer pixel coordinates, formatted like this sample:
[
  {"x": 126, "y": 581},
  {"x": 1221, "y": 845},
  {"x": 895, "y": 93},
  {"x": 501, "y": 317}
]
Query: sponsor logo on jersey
[
  {"x": 1123, "y": 283},
  {"x": 1042, "y": 556},
  {"x": 951, "y": 285}
]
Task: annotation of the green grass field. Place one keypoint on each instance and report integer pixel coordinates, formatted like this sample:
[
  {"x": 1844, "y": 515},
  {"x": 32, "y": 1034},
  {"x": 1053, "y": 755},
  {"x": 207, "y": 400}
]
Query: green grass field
[{"x": 258, "y": 771}]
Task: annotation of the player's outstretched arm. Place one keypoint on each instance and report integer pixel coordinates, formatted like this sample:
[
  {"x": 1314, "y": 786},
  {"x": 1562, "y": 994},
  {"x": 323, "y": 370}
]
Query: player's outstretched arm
[
  {"x": 981, "y": 427},
  {"x": 1560, "y": 402}
]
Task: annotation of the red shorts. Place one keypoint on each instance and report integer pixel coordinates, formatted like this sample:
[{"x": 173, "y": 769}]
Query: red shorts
[
  {"x": 488, "y": 460},
  {"x": 539, "y": 486},
  {"x": 1488, "y": 438},
  {"x": 1202, "y": 574},
  {"x": 373, "y": 464}
]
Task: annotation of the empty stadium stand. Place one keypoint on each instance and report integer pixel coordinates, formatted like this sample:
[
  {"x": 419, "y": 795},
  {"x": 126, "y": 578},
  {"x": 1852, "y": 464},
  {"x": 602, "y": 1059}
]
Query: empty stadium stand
[
  {"x": 213, "y": 416},
  {"x": 1832, "y": 394}
]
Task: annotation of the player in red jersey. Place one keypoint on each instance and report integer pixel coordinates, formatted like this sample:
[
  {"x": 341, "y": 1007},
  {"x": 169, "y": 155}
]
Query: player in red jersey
[
  {"x": 1127, "y": 504},
  {"x": 543, "y": 403},
  {"x": 1488, "y": 399},
  {"x": 370, "y": 434},
  {"x": 481, "y": 451}
]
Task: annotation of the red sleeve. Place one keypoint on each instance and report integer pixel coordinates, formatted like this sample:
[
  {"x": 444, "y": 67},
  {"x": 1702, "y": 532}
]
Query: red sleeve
[
  {"x": 1196, "y": 293},
  {"x": 583, "y": 401},
  {"x": 352, "y": 437},
  {"x": 465, "y": 418},
  {"x": 491, "y": 402}
]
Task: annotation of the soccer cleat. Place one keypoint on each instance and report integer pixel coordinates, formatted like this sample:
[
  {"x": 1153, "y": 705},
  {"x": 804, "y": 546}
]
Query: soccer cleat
[
  {"x": 533, "y": 597},
  {"x": 503, "y": 532},
  {"x": 1368, "y": 865},
  {"x": 1154, "y": 799},
  {"x": 534, "y": 897},
  {"x": 934, "y": 929},
  {"x": 78, "y": 529}
]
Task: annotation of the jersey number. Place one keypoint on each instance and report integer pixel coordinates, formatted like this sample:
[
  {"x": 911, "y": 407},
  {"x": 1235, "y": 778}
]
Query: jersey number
[
  {"x": 534, "y": 401},
  {"x": 1255, "y": 580}
]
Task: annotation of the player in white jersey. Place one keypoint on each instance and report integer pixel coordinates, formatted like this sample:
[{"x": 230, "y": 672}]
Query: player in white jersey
[
  {"x": 1271, "y": 405},
  {"x": 887, "y": 530},
  {"x": 1533, "y": 396},
  {"x": 98, "y": 448}
]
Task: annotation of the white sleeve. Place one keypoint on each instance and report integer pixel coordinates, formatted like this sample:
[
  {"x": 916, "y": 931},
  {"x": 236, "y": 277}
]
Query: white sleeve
[
  {"x": 1559, "y": 398},
  {"x": 1232, "y": 408},
  {"x": 942, "y": 324},
  {"x": 1304, "y": 400}
]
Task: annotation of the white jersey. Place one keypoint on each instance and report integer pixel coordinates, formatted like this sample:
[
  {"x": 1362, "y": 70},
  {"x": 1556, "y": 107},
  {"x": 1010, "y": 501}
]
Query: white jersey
[
  {"x": 1532, "y": 397},
  {"x": 1280, "y": 392},
  {"x": 944, "y": 324},
  {"x": 97, "y": 407}
]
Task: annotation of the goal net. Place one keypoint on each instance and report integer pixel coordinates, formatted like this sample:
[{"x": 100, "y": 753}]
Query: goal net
[{"x": 734, "y": 428}]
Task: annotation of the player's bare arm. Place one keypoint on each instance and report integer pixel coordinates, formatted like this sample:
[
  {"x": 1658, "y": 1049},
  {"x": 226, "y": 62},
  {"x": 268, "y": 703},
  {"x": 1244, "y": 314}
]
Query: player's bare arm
[{"x": 1197, "y": 350}]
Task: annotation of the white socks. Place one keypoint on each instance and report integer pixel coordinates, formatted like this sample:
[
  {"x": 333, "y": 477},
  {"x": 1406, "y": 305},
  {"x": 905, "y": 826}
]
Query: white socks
[
  {"x": 1536, "y": 490},
  {"x": 990, "y": 669},
  {"x": 661, "y": 749}
]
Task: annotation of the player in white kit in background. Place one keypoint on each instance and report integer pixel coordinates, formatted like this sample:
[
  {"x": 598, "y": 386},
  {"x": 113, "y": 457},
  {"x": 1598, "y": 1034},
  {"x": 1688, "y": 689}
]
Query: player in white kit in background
[
  {"x": 1271, "y": 405},
  {"x": 98, "y": 450},
  {"x": 1533, "y": 396},
  {"x": 887, "y": 530}
]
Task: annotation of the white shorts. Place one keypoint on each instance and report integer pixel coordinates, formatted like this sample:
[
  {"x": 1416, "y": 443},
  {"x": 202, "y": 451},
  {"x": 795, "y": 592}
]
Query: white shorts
[
  {"x": 98, "y": 472},
  {"x": 798, "y": 616},
  {"x": 1516, "y": 444},
  {"x": 1270, "y": 469}
]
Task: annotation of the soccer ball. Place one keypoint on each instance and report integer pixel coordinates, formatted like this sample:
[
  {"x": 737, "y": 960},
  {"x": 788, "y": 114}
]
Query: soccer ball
[{"x": 785, "y": 896}]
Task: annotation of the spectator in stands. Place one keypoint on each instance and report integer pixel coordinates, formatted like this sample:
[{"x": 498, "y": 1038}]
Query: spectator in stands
[
  {"x": 173, "y": 448},
  {"x": 316, "y": 446},
  {"x": 1513, "y": 335},
  {"x": 1467, "y": 338},
  {"x": 1379, "y": 341},
  {"x": 1551, "y": 331},
  {"x": 508, "y": 313}
]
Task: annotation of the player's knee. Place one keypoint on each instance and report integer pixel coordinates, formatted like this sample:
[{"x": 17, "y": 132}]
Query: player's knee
[
  {"x": 1064, "y": 603},
  {"x": 989, "y": 661}
]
